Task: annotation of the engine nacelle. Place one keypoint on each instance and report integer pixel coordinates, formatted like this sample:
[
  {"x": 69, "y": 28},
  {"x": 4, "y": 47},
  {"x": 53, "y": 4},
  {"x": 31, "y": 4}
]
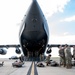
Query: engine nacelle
[
  {"x": 48, "y": 51},
  {"x": 18, "y": 51},
  {"x": 3, "y": 51}
]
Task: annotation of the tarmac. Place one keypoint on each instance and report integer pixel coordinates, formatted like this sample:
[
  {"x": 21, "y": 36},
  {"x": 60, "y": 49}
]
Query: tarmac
[{"x": 29, "y": 67}]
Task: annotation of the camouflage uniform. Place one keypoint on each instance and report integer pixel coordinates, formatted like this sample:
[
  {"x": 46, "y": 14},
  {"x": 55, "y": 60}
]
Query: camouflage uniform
[
  {"x": 68, "y": 57},
  {"x": 21, "y": 58},
  {"x": 62, "y": 57},
  {"x": 74, "y": 54},
  {"x": 48, "y": 60}
]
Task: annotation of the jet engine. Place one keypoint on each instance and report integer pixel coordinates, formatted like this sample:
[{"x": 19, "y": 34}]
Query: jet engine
[
  {"x": 18, "y": 51},
  {"x": 3, "y": 51},
  {"x": 48, "y": 51}
]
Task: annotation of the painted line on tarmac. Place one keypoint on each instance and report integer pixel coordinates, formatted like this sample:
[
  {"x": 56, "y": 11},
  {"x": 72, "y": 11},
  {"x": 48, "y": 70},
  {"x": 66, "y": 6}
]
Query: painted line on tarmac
[{"x": 32, "y": 70}]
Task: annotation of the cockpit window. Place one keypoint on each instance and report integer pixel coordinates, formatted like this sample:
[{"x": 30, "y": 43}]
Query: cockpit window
[{"x": 34, "y": 20}]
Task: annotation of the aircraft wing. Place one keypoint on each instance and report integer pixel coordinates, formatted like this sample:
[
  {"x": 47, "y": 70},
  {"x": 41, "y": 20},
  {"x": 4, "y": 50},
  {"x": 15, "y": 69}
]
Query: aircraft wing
[
  {"x": 49, "y": 50},
  {"x": 56, "y": 45},
  {"x": 49, "y": 45},
  {"x": 7, "y": 46},
  {"x": 3, "y": 51}
]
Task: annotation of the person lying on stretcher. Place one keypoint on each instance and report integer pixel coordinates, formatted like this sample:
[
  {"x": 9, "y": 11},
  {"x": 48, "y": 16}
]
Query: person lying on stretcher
[{"x": 17, "y": 64}]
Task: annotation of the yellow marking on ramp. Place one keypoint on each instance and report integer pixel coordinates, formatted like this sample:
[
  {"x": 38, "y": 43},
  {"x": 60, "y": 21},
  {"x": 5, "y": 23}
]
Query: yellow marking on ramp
[{"x": 32, "y": 70}]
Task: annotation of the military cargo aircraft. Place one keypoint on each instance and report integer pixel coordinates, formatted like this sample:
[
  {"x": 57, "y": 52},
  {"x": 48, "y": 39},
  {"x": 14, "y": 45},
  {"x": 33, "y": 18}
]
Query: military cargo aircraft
[{"x": 34, "y": 33}]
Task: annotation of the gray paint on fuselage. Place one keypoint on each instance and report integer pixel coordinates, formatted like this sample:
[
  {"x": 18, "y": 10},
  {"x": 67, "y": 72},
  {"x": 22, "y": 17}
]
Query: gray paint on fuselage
[
  {"x": 35, "y": 20},
  {"x": 34, "y": 28}
]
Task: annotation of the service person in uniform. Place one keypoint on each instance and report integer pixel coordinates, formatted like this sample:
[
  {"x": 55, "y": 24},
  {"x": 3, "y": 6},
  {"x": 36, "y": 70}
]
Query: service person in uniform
[
  {"x": 62, "y": 56},
  {"x": 48, "y": 60},
  {"x": 68, "y": 56},
  {"x": 74, "y": 54}
]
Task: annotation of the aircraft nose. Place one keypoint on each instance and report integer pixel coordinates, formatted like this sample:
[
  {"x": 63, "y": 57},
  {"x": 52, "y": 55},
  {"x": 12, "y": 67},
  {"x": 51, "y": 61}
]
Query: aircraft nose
[{"x": 33, "y": 35}]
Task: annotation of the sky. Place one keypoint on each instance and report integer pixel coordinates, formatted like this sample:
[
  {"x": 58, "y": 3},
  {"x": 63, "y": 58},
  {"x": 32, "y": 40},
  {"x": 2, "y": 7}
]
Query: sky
[{"x": 60, "y": 16}]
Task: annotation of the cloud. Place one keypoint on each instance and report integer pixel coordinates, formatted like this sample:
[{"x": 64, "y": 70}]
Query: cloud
[
  {"x": 66, "y": 39},
  {"x": 50, "y": 7},
  {"x": 66, "y": 33},
  {"x": 12, "y": 13},
  {"x": 14, "y": 10},
  {"x": 68, "y": 19}
]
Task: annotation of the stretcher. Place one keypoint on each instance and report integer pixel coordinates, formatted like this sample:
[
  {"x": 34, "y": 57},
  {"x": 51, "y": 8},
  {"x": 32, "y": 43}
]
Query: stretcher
[
  {"x": 40, "y": 65},
  {"x": 17, "y": 64}
]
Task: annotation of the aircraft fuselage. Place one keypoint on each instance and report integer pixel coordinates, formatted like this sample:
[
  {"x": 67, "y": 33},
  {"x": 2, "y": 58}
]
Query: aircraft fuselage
[{"x": 34, "y": 31}]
